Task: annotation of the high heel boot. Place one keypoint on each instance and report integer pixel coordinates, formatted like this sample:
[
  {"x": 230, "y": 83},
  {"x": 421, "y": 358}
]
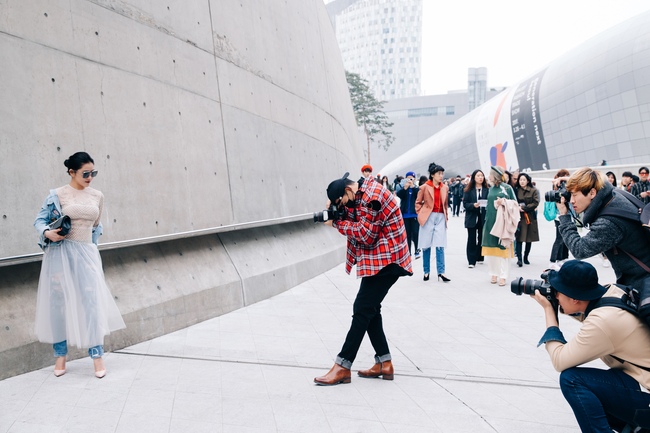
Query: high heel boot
[{"x": 443, "y": 278}]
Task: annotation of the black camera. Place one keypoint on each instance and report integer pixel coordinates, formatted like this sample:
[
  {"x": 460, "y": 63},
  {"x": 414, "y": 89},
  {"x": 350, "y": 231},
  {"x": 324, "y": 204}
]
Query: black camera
[
  {"x": 556, "y": 195},
  {"x": 333, "y": 213},
  {"x": 528, "y": 287}
]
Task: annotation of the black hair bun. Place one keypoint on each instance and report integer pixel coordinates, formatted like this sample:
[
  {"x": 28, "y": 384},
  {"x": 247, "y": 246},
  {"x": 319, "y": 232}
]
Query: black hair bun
[{"x": 432, "y": 167}]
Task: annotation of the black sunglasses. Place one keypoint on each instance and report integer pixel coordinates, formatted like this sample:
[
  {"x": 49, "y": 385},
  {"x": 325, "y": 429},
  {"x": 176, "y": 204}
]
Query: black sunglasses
[{"x": 87, "y": 174}]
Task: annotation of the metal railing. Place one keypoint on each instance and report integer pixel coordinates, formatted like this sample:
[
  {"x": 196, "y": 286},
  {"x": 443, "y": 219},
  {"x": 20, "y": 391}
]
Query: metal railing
[{"x": 34, "y": 257}]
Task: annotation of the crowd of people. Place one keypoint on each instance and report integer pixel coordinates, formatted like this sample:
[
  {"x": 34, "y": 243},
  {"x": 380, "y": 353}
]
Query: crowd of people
[
  {"x": 381, "y": 221},
  {"x": 501, "y": 214}
]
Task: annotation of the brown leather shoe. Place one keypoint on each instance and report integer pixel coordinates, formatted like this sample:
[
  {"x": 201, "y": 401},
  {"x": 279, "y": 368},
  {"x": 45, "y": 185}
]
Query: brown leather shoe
[
  {"x": 383, "y": 369},
  {"x": 336, "y": 375}
]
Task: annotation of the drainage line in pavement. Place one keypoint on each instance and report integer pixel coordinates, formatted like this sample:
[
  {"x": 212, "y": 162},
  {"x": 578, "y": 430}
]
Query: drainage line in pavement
[{"x": 447, "y": 377}]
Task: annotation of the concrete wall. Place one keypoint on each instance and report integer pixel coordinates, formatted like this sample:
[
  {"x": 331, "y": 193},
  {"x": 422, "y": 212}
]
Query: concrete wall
[{"x": 200, "y": 115}]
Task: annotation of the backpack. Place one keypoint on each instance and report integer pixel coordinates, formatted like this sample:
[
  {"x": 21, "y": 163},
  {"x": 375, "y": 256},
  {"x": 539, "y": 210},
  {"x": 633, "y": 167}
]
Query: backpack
[
  {"x": 642, "y": 215},
  {"x": 550, "y": 210},
  {"x": 635, "y": 301}
]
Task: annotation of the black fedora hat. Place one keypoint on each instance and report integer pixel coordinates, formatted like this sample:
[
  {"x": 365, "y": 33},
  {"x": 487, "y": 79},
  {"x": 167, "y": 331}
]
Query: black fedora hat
[{"x": 577, "y": 280}]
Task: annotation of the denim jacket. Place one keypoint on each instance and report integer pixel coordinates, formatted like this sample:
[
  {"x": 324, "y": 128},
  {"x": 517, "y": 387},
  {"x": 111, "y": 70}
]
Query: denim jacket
[{"x": 50, "y": 212}]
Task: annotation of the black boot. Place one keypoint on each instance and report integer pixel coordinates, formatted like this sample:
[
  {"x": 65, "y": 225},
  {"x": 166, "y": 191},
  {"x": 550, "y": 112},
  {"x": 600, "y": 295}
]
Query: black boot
[
  {"x": 527, "y": 252},
  {"x": 518, "y": 252}
]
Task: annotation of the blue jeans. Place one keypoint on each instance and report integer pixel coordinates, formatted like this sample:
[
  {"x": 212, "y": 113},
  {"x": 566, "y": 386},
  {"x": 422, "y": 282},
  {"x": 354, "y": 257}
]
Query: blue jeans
[
  {"x": 603, "y": 398},
  {"x": 440, "y": 260},
  {"x": 61, "y": 349}
]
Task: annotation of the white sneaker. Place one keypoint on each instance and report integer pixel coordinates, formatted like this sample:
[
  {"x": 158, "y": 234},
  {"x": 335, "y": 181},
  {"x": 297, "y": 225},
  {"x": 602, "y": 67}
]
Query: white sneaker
[{"x": 470, "y": 266}]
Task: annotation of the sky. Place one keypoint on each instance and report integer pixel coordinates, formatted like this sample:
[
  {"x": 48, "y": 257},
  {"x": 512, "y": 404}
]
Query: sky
[{"x": 512, "y": 38}]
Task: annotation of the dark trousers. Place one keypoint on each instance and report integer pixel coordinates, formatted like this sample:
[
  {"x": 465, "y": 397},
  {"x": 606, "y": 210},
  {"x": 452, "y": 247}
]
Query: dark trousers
[
  {"x": 456, "y": 209},
  {"x": 559, "y": 251},
  {"x": 367, "y": 318},
  {"x": 412, "y": 228},
  {"x": 474, "y": 240},
  {"x": 604, "y": 399},
  {"x": 529, "y": 245}
]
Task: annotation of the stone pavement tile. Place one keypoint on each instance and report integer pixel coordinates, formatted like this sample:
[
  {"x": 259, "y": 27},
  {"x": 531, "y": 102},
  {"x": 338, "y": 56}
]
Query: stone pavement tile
[
  {"x": 142, "y": 423},
  {"x": 251, "y": 412},
  {"x": 185, "y": 426},
  {"x": 150, "y": 402},
  {"x": 84, "y": 419},
  {"x": 293, "y": 415},
  {"x": 199, "y": 376},
  {"x": 195, "y": 406},
  {"x": 156, "y": 374}
]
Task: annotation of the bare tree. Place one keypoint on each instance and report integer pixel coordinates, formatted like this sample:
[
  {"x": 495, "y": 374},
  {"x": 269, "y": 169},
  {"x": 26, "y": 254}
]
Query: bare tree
[{"x": 369, "y": 113}]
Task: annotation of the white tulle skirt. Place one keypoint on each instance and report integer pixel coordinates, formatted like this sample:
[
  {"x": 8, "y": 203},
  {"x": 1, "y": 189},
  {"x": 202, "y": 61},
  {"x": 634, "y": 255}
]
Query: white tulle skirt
[{"x": 73, "y": 302}]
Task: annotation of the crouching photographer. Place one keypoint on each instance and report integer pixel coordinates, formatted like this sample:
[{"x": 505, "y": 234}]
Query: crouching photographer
[
  {"x": 614, "y": 226},
  {"x": 377, "y": 245},
  {"x": 601, "y": 400}
]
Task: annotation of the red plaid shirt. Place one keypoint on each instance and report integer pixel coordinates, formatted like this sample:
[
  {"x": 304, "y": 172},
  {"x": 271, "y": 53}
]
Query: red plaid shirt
[{"x": 375, "y": 231}]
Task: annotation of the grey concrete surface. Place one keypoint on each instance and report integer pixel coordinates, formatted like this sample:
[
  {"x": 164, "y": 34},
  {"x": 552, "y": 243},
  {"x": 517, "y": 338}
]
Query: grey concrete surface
[
  {"x": 465, "y": 356},
  {"x": 198, "y": 113},
  {"x": 160, "y": 288}
]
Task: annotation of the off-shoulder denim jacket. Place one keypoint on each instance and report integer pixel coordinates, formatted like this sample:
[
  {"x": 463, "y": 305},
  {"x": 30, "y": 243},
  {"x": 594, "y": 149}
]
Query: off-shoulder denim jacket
[{"x": 50, "y": 212}]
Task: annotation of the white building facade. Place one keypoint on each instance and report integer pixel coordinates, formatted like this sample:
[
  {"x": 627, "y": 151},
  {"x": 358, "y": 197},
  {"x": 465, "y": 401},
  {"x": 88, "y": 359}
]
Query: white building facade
[{"x": 381, "y": 40}]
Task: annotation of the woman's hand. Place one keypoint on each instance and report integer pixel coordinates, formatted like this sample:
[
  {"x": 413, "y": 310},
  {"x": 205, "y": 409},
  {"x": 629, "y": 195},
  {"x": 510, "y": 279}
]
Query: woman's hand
[
  {"x": 476, "y": 204},
  {"x": 53, "y": 235}
]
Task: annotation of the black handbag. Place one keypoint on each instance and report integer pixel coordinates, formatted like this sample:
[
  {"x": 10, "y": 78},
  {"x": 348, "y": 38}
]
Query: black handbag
[{"x": 64, "y": 223}]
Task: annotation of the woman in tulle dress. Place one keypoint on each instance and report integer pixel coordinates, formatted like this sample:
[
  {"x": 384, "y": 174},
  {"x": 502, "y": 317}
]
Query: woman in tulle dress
[{"x": 74, "y": 306}]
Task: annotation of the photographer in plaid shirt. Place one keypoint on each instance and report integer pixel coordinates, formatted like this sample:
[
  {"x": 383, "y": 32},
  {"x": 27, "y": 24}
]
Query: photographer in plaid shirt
[{"x": 376, "y": 236}]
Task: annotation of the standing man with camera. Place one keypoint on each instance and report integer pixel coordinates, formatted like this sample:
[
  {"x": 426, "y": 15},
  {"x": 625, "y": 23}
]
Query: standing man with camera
[
  {"x": 600, "y": 399},
  {"x": 623, "y": 241},
  {"x": 407, "y": 196},
  {"x": 377, "y": 245}
]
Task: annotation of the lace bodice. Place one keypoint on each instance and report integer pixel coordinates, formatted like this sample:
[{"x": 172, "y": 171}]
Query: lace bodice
[{"x": 84, "y": 207}]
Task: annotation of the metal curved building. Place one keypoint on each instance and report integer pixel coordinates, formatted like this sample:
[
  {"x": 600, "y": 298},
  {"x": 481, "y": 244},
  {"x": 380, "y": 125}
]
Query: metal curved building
[
  {"x": 589, "y": 105},
  {"x": 215, "y": 125}
]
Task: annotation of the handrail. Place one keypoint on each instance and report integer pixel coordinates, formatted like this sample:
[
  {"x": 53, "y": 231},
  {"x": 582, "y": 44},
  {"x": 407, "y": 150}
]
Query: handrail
[{"x": 34, "y": 257}]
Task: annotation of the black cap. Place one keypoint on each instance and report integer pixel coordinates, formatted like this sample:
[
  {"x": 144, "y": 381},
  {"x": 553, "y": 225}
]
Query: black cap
[
  {"x": 336, "y": 189},
  {"x": 577, "y": 280}
]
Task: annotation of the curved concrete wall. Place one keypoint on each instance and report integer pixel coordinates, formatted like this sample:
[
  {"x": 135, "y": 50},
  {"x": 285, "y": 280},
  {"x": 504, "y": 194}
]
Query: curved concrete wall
[
  {"x": 202, "y": 117},
  {"x": 590, "y": 104}
]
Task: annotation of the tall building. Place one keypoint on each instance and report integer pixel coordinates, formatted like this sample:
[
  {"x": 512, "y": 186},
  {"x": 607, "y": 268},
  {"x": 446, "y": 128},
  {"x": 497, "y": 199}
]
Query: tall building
[
  {"x": 476, "y": 87},
  {"x": 381, "y": 40}
]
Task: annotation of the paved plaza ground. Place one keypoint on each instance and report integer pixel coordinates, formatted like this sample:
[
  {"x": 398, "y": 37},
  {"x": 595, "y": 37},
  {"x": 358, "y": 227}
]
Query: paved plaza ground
[{"x": 464, "y": 352}]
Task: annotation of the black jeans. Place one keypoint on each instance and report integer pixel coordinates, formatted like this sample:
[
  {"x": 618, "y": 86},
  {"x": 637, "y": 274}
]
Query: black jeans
[
  {"x": 559, "y": 251},
  {"x": 474, "y": 240},
  {"x": 412, "y": 231},
  {"x": 367, "y": 318},
  {"x": 456, "y": 208}
]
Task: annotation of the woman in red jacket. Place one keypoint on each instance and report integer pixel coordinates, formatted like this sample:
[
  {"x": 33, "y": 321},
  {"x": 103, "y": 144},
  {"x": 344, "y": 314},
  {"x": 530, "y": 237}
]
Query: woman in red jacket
[{"x": 431, "y": 207}]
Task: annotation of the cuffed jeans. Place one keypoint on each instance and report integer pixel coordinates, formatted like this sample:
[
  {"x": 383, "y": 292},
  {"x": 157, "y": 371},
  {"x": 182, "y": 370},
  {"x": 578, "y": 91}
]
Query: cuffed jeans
[
  {"x": 603, "y": 399},
  {"x": 61, "y": 349},
  {"x": 440, "y": 260},
  {"x": 367, "y": 318}
]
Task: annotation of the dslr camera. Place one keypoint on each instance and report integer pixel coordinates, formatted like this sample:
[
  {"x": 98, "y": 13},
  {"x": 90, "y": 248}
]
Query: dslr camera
[
  {"x": 520, "y": 286},
  {"x": 556, "y": 195},
  {"x": 333, "y": 213}
]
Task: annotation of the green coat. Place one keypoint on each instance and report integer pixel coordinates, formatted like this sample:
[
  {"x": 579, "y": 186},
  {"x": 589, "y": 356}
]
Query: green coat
[{"x": 495, "y": 192}]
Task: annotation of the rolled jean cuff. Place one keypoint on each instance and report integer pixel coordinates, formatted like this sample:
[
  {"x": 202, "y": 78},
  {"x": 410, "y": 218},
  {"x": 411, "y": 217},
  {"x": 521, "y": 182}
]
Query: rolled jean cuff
[
  {"x": 96, "y": 352},
  {"x": 343, "y": 362},
  {"x": 60, "y": 348},
  {"x": 383, "y": 358}
]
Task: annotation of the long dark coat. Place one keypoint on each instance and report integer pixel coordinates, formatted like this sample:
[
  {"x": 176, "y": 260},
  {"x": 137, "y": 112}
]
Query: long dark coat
[{"x": 529, "y": 196}]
